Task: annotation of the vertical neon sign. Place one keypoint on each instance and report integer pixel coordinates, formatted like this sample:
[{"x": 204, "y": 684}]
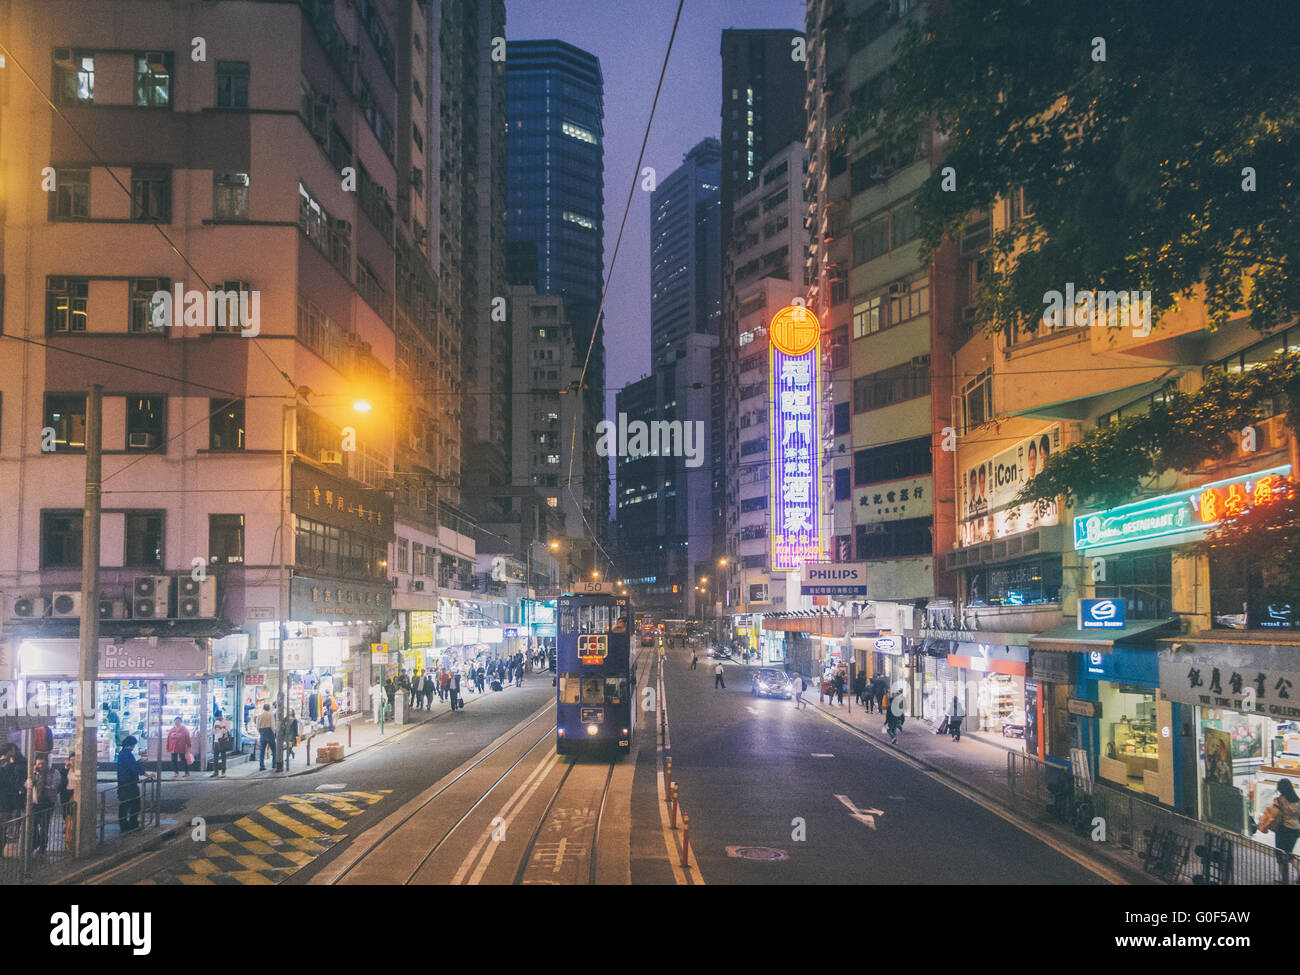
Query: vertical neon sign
[{"x": 794, "y": 394}]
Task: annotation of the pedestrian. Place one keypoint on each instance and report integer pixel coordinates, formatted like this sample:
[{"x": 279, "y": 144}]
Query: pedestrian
[
  {"x": 390, "y": 691},
  {"x": 129, "y": 772},
  {"x": 954, "y": 720},
  {"x": 178, "y": 747},
  {"x": 839, "y": 688},
  {"x": 444, "y": 683},
  {"x": 695, "y": 659},
  {"x": 12, "y": 767},
  {"x": 71, "y": 780},
  {"x": 1283, "y": 817},
  {"x": 881, "y": 691},
  {"x": 289, "y": 735},
  {"x": 717, "y": 677},
  {"x": 798, "y": 686},
  {"x": 331, "y": 706},
  {"x": 43, "y": 787},
  {"x": 428, "y": 691},
  {"x": 222, "y": 742},
  {"x": 893, "y": 721},
  {"x": 266, "y": 737},
  {"x": 453, "y": 691}
]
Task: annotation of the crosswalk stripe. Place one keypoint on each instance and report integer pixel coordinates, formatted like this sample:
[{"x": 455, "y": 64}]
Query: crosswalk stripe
[
  {"x": 319, "y": 815},
  {"x": 280, "y": 819}
]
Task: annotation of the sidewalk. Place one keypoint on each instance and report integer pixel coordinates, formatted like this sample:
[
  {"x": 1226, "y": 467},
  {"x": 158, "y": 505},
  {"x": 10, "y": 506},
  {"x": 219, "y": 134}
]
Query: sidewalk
[
  {"x": 978, "y": 765},
  {"x": 118, "y": 848}
]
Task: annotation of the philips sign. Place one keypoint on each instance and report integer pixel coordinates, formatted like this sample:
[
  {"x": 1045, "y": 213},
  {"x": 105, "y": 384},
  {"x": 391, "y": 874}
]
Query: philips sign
[
  {"x": 834, "y": 579},
  {"x": 1101, "y": 614}
]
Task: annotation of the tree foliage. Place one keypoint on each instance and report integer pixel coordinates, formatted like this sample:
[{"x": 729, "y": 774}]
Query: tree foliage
[{"x": 1133, "y": 165}]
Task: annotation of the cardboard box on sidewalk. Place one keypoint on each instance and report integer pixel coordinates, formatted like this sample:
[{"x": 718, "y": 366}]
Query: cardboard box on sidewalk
[{"x": 330, "y": 752}]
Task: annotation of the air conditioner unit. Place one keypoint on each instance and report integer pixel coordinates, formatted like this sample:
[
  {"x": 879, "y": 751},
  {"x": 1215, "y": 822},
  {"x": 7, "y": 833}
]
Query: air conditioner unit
[
  {"x": 66, "y": 605},
  {"x": 112, "y": 609},
  {"x": 898, "y": 288},
  {"x": 331, "y": 457},
  {"x": 345, "y": 226},
  {"x": 150, "y": 597},
  {"x": 196, "y": 598},
  {"x": 968, "y": 316},
  {"x": 28, "y": 608},
  {"x": 140, "y": 439}
]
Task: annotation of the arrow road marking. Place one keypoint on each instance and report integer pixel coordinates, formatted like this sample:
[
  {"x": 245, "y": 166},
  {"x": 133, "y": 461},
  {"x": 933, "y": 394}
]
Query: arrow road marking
[
  {"x": 750, "y": 710},
  {"x": 865, "y": 816}
]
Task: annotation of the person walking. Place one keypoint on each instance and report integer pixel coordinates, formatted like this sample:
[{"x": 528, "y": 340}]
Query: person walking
[
  {"x": 839, "y": 688},
  {"x": 444, "y": 684},
  {"x": 893, "y": 722},
  {"x": 266, "y": 737},
  {"x": 881, "y": 692},
  {"x": 222, "y": 742},
  {"x": 129, "y": 773},
  {"x": 330, "y": 704},
  {"x": 428, "y": 691},
  {"x": 695, "y": 659},
  {"x": 453, "y": 691},
  {"x": 717, "y": 677},
  {"x": 798, "y": 687},
  {"x": 68, "y": 796},
  {"x": 43, "y": 787},
  {"x": 178, "y": 747},
  {"x": 1283, "y": 817},
  {"x": 954, "y": 720},
  {"x": 859, "y": 688},
  {"x": 289, "y": 735}
]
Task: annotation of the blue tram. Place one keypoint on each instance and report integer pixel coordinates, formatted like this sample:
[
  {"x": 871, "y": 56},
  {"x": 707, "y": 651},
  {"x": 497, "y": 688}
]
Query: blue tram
[{"x": 595, "y": 673}]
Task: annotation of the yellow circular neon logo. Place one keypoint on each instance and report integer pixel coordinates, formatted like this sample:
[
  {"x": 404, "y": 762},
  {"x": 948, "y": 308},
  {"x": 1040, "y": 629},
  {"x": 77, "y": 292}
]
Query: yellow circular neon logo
[{"x": 794, "y": 330}]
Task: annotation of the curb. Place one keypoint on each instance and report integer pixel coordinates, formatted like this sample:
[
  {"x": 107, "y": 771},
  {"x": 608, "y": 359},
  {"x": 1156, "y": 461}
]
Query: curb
[{"x": 1135, "y": 876}]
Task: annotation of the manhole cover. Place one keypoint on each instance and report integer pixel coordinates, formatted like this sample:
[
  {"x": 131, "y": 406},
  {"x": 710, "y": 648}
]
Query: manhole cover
[{"x": 756, "y": 853}]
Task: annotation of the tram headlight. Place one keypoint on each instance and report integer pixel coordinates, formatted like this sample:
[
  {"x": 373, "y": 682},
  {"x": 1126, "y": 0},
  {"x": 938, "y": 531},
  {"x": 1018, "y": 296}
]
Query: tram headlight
[{"x": 592, "y": 729}]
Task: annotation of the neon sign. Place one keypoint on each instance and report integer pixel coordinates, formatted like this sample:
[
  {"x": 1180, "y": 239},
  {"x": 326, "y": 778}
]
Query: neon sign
[
  {"x": 794, "y": 394},
  {"x": 1182, "y": 513}
]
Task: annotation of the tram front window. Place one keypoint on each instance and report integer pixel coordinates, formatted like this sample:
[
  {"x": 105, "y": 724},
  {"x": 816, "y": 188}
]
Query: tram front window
[
  {"x": 602, "y": 619},
  {"x": 569, "y": 687},
  {"x": 593, "y": 690},
  {"x": 615, "y": 689}
]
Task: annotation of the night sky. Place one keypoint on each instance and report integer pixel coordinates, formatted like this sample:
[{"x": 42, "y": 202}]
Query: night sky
[{"x": 629, "y": 37}]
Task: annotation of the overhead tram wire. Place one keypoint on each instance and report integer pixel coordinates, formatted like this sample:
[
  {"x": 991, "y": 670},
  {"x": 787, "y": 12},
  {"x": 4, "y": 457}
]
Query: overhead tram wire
[{"x": 604, "y": 294}]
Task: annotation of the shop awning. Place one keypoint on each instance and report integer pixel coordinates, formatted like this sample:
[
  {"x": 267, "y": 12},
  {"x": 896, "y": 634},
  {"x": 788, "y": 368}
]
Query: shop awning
[
  {"x": 1069, "y": 638},
  {"x": 938, "y": 648}
]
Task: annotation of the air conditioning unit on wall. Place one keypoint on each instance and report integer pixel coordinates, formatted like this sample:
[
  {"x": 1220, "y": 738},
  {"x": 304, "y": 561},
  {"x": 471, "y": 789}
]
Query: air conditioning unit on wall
[{"x": 66, "y": 605}]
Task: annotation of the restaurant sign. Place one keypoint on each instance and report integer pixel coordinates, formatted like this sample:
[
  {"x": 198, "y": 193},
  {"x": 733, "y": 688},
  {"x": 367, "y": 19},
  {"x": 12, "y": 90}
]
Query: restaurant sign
[{"x": 1178, "y": 516}]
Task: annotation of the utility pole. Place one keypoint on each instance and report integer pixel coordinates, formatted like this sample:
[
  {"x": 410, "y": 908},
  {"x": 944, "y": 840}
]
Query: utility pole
[{"x": 88, "y": 664}]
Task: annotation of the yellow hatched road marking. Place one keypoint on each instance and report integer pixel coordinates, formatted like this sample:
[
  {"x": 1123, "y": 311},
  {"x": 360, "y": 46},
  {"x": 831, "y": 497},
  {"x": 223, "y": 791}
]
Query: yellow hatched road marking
[
  {"x": 321, "y": 817},
  {"x": 307, "y": 846},
  {"x": 258, "y": 847},
  {"x": 221, "y": 836},
  {"x": 279, "y": 818},
  {"x": 259, "y": 831},
  {"x": 298, "y": 857},
  {"x": 251, "y": 878},
  {"x": 325, "y": 799},
  {"x": 203, "y": 866},
  {"x": 252, "y": 862},
  {"x": 192, "y": 880}
]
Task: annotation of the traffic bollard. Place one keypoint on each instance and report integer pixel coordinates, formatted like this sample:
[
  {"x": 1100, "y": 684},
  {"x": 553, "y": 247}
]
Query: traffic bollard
[
  {"x": 668, "y": 779},
  {"x": 686, "y": 841},
  {"x": 672, "y": 815},
  {"x": 349, "y": 734}
]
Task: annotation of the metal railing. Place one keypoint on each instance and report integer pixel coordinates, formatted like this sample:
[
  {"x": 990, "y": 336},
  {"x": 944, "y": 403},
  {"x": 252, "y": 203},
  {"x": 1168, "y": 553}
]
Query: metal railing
[
  {"x": 34, "y": 842},
  {"x": 1170, "y": 846}
]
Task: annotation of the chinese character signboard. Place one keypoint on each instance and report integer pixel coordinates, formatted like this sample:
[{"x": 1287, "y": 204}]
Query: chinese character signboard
[
  {"x": 988, "y": 488},
  {"x": 893, "y": 500},
  {"x": 795, "y": 392},
  {"x": 1185, "y": 513},
  {"x": 1258, "y": 678},
  {"x": 343, "y": 504},
  {"x": 323, "y": 599}
]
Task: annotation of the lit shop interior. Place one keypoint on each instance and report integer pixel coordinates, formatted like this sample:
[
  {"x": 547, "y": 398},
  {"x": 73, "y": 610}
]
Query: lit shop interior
[{"x": 1241, "y": 760}]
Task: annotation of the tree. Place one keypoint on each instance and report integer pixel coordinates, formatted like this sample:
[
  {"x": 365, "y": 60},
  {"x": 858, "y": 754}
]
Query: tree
[{"x": 1138, "y": 167}]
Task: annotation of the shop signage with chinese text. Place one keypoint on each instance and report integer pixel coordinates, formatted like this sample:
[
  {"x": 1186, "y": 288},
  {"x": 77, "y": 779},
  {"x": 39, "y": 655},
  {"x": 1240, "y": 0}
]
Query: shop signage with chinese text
[
  {"x": 321, "y": 599},
  {"x": 1181, "y": 514},
  {"x": 833, "y": 579},
  {"x": 795, "y": 392},
  {"x": 1084, "y": 709},
  {"x": 1251, "y": 678},
  {"x": 893, "y": 500}
]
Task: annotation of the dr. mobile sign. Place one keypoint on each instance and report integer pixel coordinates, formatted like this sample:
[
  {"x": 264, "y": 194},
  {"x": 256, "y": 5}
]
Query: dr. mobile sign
[
  {"x": 795, "y": 395},
  {"x": 833, "y": 579}
]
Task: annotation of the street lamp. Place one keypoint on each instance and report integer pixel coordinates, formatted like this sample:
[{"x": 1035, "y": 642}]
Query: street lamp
[{"x": 282, "y": 698}]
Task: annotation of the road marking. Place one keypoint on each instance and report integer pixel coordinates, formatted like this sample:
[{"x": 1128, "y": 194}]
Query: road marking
[
  {"x": 866, "y": 817},
  {"x": 750, "y": 710},
  {"x": 536, "y": 775},
  {"x": 332, "y": 786},
  {"x": 822, "y": 755},
  {"x": 1102, "y": 871}
]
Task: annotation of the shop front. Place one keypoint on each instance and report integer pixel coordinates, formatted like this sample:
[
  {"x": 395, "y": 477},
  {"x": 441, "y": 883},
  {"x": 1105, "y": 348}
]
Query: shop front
[
  {"x": 1242, "y": 700},
  {"x": 989, "y": 684},
  {"x": 1047, "y": 694},
  {"x": 1116, "y": 711},
  {"x": 144, "y": 684}
]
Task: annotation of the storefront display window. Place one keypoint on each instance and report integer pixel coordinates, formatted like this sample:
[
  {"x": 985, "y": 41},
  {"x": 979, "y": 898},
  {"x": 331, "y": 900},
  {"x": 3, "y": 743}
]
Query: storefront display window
[
  {"x": 1001, "y": 704},
  {"x": 1128, "y": 731},
  {"x": 1022, "y": 583},
  {"x": 1242, "y": 757}
]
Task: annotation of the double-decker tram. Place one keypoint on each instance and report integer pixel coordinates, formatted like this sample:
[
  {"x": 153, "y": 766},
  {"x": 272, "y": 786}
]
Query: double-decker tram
[{"x": 596, "y": 676}]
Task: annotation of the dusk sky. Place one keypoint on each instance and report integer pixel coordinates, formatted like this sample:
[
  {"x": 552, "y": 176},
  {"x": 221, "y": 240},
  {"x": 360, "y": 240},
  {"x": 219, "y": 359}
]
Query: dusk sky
[{"x": 629, "y": 37}]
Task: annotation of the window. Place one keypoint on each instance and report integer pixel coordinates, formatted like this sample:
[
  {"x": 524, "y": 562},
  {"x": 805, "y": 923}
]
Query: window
[
  {"x": 67, "y": 415},
  {"x": 153, "y": 79},
  {"x": 231, "y": 307},
  {"x": 908, "y": 458},
  {"x": 230, "y": 196},
  {"x": 842, "y": 417},
  {"x": 1144, "y": 580},
  {"x": 144, "y": 538},
  {"x": 903, "y": 224},
  {"x": 894, "y": 539},
  {"x": 146, "y": 423},
  {"x": 60, "y": 539},
  {"x": 226, "y": 424},
  {"x": 866, "y": 317},
  {"x": 403, "y": 555},
  {"x": 907, "y": 300},
  {"x": 1017, "y": 583},
  {"x": 754, "y": 504},
  {"x": 140, "y": 297},
  {"x": 1139, "y": 407},
  {"x": 843, "y": 490},
  {"x": 226, "y": 539},
  {"x": 417, "y": 138},
  {"x": 894, "y": 385},
  {"x": 151, "y": 195},
  {"x": 232, "y": 84},
  {"x": 65, "y": 304},
  {"x": 871, "y": 240},
  {"x": 71, "y": 197},
  {"x": 977, "y": 401},
  {"x": 74, "y": 77},
  {"x": 756, "y": 446}
]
